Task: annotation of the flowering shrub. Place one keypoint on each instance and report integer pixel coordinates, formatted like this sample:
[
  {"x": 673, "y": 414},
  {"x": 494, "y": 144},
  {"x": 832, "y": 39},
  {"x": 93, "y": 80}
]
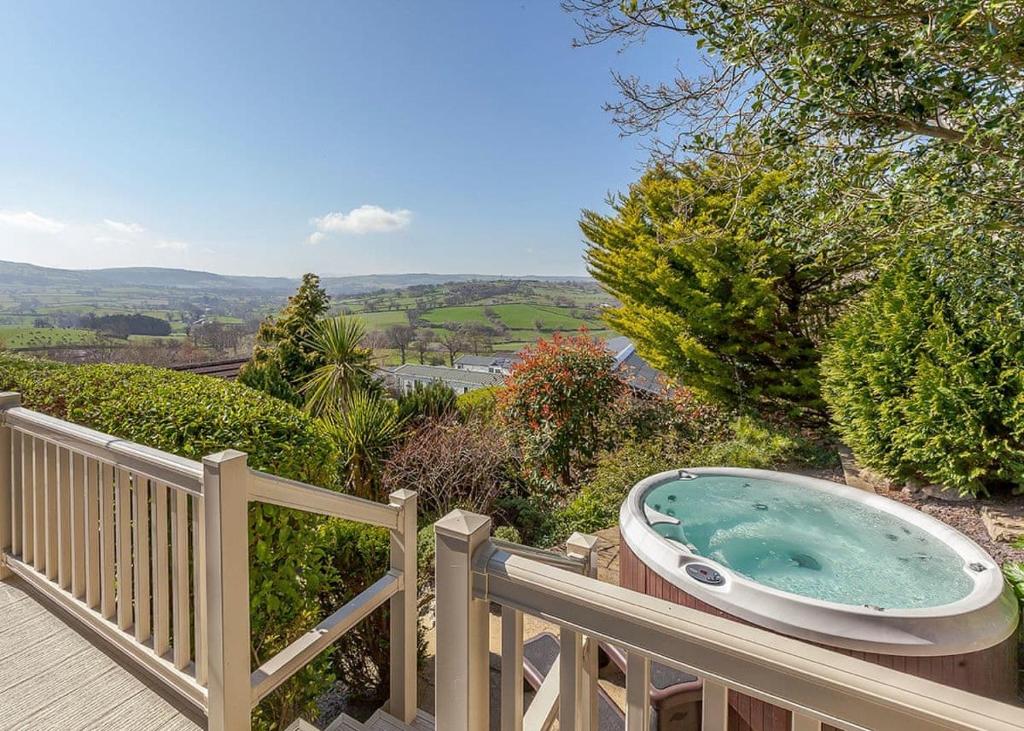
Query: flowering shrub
[{"x": 556, "y": 402}]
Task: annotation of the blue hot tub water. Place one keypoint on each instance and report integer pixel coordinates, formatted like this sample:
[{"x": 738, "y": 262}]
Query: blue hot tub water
[{"x": 810, "y": 543}]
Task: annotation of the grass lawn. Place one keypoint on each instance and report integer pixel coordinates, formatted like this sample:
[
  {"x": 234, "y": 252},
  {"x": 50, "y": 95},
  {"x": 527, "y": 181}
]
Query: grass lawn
[
  {"x": 462, "y": 314},
  {"x": 16, "y": 338},
  {"x": 380, "y": 320}
]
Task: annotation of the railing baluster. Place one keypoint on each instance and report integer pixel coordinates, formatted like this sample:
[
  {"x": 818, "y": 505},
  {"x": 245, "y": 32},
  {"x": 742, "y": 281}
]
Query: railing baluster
[
  {"x": 511, "y": 669},
  {"x": 39, "y": 508},
  {"x": 161, "y": 574},
  {"x": 17, "y": 494},
  {"x": 638, "y": 692},
  {"x": 91, "y": 516},
  {"x": 199, "y": 586},
  {"x": 51, "y": 521},
  {"x": 107, "y": 540},
  {"x": 123, "y": 518},
  {"x": 140, "y": 515},
  {"x": 78, "y": 524},
  {"x": 570, "y": 661},
  {"x": 63, "y": 459},
  {"x": 28, "y": 499},
  {"x": 179, "y": 578},
  {"x": 715, "y": 706}
]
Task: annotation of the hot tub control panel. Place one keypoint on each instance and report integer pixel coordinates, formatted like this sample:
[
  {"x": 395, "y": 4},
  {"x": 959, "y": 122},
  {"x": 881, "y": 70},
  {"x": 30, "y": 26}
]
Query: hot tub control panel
[{"x": 704, "y": 574}]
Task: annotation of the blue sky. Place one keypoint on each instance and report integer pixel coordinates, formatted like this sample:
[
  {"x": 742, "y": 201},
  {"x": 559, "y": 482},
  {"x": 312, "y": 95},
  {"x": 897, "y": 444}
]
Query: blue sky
[{"x": 280, "y": 137}]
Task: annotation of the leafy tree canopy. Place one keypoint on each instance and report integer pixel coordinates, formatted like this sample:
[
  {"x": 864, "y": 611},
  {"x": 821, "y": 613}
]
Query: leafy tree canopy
[
  {"x": 284, "y": 355},
  {"x": 715, "y": 287},
  {"x": 930, "y": 90}
]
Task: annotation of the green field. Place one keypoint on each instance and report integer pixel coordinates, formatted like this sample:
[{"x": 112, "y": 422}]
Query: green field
[
  {"x": 513, "y": 316},
  {"x": 16, "y": 338},
  {"x": 380, "y": 320}
]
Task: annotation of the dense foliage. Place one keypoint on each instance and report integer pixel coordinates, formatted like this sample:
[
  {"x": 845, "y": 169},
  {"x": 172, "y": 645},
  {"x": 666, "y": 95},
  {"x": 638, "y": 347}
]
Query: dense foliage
[
  {"x": 934, "y": 88},
  {"x": 365, "y": 431},
  {"x": 451, "y": 465},
  {"x": 556, "y": 401},
  {"x": 193, "y": 416},
  {"x": 922, "y": 381},
  {"x": 122, "y": 326},
  {"x": 284, "y": 357},
  {"x": 424, "y": 402},
  {"x": 345, "y": 365},
  {"x": 742, "y": 443},
  {"x": 711, "y": 291}
]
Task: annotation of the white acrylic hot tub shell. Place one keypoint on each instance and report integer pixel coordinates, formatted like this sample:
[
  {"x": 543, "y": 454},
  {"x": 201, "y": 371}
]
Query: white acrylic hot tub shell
[{"x": 985, "y": 617}]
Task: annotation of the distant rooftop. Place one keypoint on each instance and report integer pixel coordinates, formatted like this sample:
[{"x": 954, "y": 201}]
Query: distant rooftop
[
  {"x": 447, "y": 375},
  {"x": 637, "y": 372}
]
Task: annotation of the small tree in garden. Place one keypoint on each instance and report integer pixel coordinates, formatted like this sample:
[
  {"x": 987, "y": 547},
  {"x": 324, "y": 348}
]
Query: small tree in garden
[
  {"x": 283, "y": 356},
  {"x": 451, "y": 465},
  {"x": 365, "y": 431},
  {"x": 556, "y": 401},
  {"x": 346, "y": 366}
]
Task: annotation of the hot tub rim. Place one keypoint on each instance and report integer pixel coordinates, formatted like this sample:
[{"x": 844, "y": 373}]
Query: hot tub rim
[{"x": 966, "y": 625}]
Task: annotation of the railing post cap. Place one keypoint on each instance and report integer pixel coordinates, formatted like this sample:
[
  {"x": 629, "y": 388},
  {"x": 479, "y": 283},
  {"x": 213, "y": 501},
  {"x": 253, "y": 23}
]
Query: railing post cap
[
  {"x": 227, "y": 456},
  {"x": 583, "y": 542},
  {"x": 402, "y": 496},
  {"x": 462, "y": 524},
  {"x": 9, "y": 399}
]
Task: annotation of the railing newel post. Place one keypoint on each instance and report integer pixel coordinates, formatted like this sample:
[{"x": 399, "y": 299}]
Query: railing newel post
[
  {"x": 462, "y": 668},
  {"x": 8, "y": 400},
  {"x": 226, "y": 499},
  {"x": 404, "y": 615},
  {"x": 584, "y": 547}
]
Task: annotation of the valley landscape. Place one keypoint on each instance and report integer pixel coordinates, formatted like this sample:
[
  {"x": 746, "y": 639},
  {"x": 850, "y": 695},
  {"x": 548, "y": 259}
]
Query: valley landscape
[{"x": 189, "y": 316}]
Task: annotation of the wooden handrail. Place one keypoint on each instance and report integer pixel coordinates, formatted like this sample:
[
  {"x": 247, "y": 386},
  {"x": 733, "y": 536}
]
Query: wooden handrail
[
  {"x": 549, "y": 558},
  {"x": 275, "y": 490},
  {"x": 830, "y": 687},
  {"x": 179, "y": 472},
  {"x": 299, "y": 653}
]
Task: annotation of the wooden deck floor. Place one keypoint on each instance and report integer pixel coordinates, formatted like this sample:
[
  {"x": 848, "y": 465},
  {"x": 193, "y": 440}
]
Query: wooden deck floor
[{"x": 55, "y": 676}]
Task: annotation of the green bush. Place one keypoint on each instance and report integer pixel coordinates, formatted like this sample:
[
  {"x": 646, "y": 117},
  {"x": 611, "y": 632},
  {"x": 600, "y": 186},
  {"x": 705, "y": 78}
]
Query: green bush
[
  {"x": 480, "y": 403},
  {"x": 193, "y": 416},
  {"x": 921, "y": 381},
  {"x": 358, "y": 555},
  {"x": 434, "y": 400}
]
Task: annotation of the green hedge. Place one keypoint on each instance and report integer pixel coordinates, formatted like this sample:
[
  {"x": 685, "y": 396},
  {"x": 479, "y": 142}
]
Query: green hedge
[
  {"x": 194, "y": 416},
  {"x": 925, "y": 380},
  {"x": 746, "y": 443}
]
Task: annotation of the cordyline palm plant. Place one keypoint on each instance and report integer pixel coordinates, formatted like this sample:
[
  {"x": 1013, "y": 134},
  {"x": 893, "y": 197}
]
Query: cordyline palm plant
[
  {"x": 347, "y": 365},
  {"x": 365, "y": 429}
]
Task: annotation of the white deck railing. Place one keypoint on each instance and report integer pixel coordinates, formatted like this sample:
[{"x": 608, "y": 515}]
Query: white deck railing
[
  {"x": 150, "y": 551},
  {"x": 819, "y": 686}
]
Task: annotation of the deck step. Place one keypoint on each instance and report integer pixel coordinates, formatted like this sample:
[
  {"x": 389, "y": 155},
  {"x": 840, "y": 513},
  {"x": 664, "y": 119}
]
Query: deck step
[
  {"x": 346, "y": 723},
  {"x": 381, "y": 721}
]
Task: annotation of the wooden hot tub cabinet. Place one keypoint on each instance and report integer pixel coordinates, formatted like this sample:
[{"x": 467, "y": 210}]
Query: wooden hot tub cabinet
[{"x": 990, "y": 672}]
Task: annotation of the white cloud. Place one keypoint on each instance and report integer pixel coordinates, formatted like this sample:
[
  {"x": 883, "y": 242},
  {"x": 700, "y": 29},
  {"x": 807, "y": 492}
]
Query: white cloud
[
  {"x": 31, "y": 222},
  {"x": 172, "y": 245},
  {"x": 100, "y": 242},
  {"x": 122, "y": 227},
  {"x": 362, "y": 220}
]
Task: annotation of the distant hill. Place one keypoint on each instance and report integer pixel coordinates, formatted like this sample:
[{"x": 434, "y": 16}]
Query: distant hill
[{"x": 18, "y": 277}]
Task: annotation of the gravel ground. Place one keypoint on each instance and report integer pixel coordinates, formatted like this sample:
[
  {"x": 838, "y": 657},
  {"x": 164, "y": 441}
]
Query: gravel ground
[{"x": 966, "y": 518}]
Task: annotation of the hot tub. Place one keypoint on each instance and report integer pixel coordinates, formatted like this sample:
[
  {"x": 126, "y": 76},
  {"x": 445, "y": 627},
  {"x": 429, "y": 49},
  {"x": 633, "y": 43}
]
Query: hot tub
[{"x": 826, "y": 563}]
